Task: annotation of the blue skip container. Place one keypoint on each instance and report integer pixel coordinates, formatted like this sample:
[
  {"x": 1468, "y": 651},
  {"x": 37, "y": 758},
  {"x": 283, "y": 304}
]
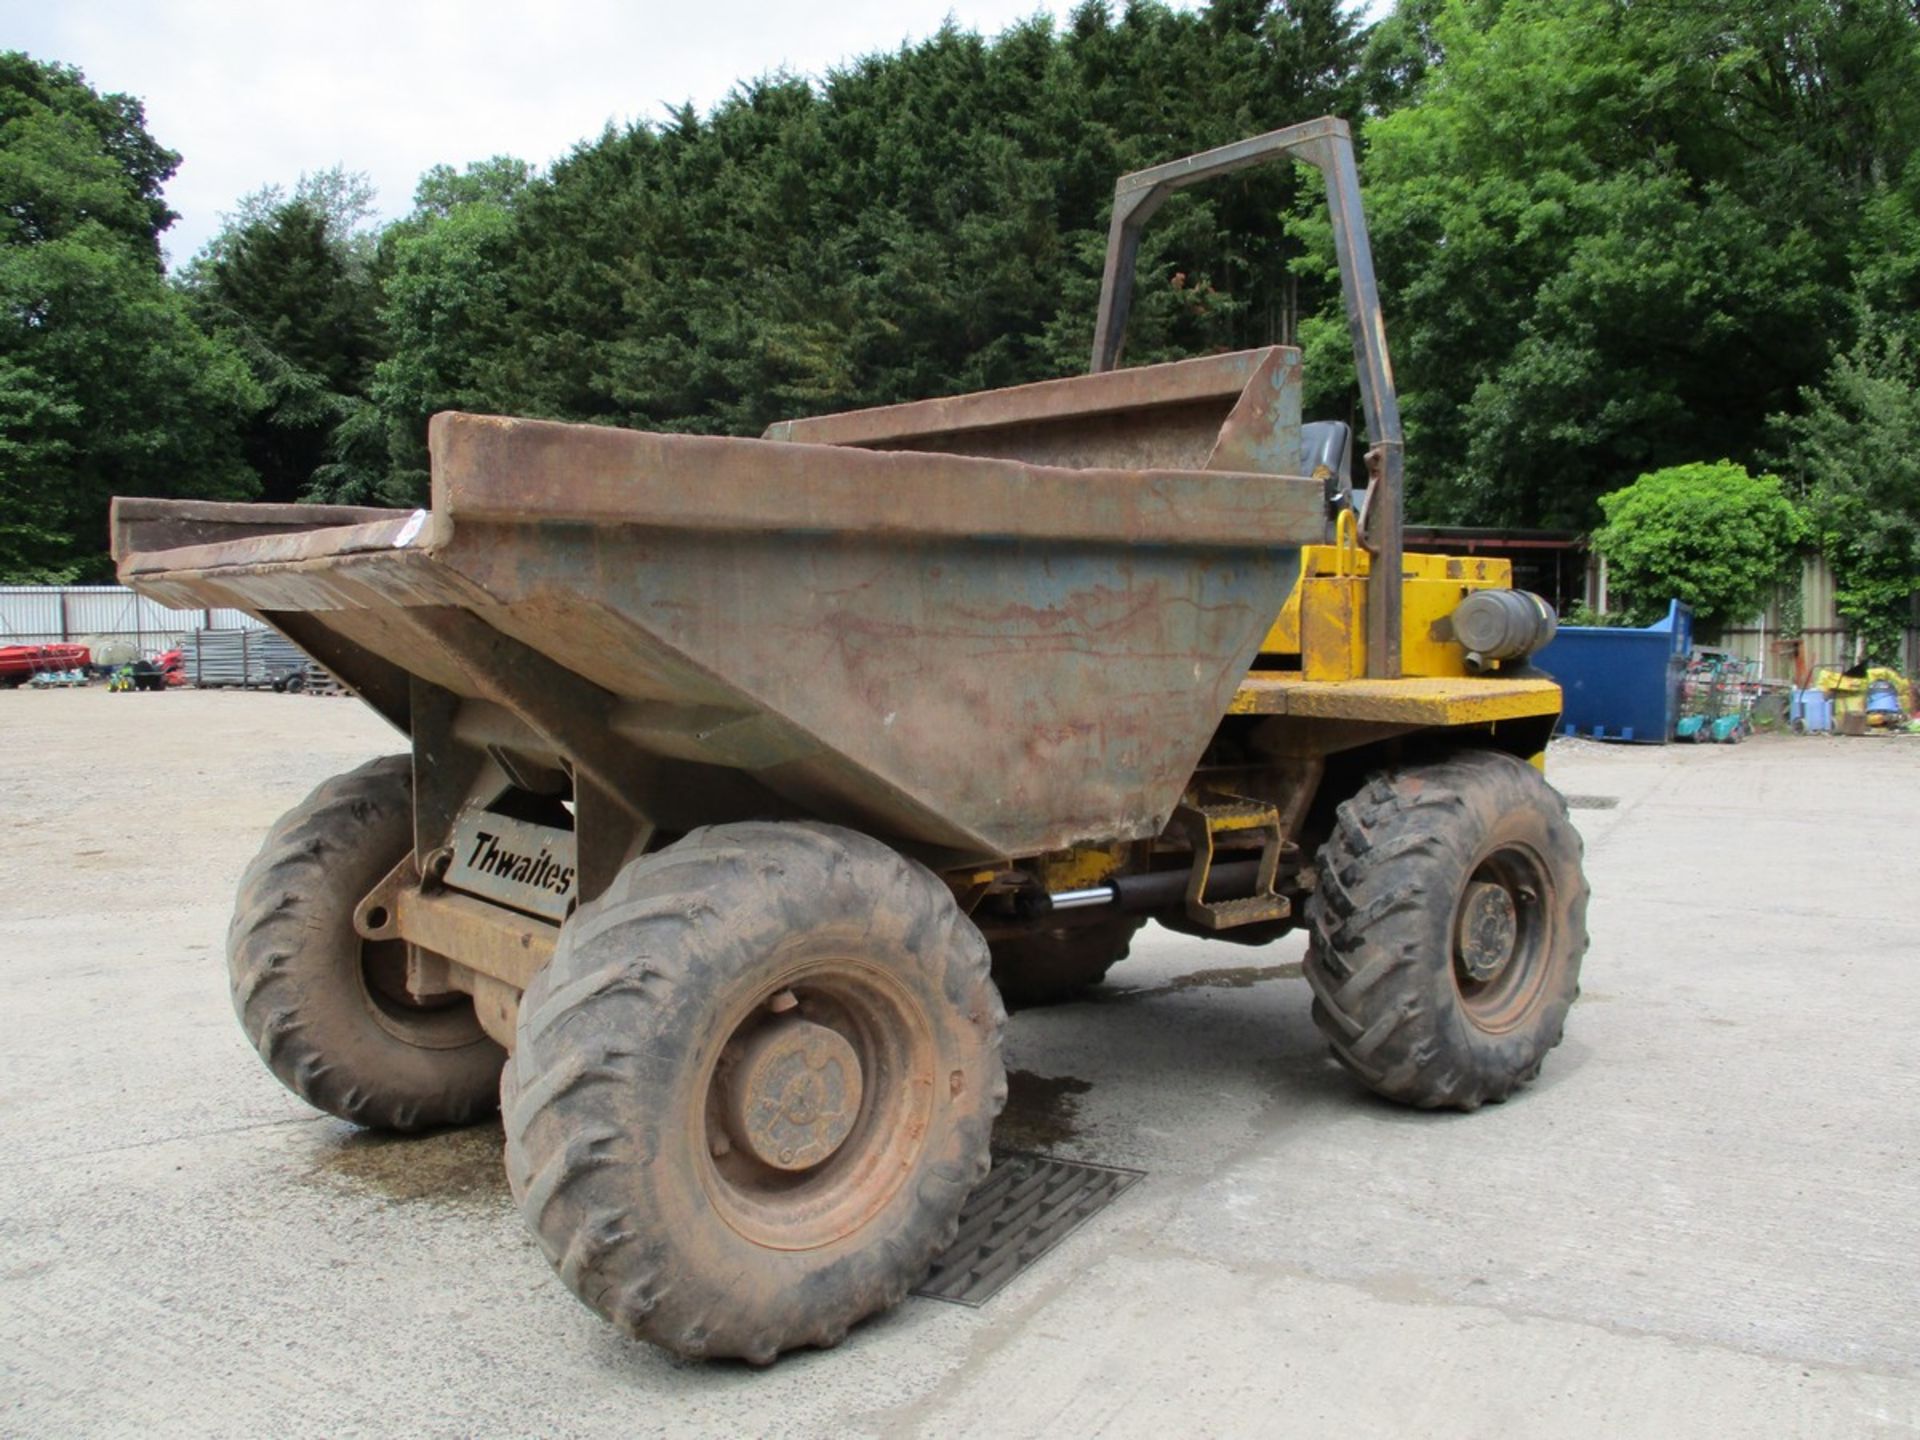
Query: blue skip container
[{"x": 1621, "y": 684}]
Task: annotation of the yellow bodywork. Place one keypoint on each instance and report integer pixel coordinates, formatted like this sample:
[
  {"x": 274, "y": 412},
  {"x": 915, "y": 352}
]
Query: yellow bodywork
[
  {"x": 1320, "y": 643},
  {"x": 1087, "y": 865},
  {"x": 1438, "y": 700},
  {"x": 1324, "y": 621}
]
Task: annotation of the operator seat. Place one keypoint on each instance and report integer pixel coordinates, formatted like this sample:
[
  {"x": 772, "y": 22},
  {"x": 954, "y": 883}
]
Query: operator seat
[{"x": 1327, "y": 445}]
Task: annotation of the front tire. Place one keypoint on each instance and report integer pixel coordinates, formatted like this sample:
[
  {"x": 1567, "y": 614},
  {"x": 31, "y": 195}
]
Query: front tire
[
  {"x": 328, "y": 1011},
  {"x": 752, "y": 1089},
  {"x": 1448, "y": 926}
]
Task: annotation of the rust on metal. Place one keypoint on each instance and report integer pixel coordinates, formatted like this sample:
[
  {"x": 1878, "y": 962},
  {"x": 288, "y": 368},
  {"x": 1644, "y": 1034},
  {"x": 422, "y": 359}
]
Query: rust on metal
[
  {"x": 488, "y": 469},
  {"x": 972, "y": 657},
  {"x": 376, "y": 917},
  {"x": 1327, "y": 145},
  {"x": 793, "y": 1094},
  {"x": 1219, "y": 412},
  {"x": 1011, "y": 635},
  {"x": 987, "y": 629},
  {"x": 1213, "y": 822},
  {"x": 154, "y": 525},
  {"x": 1219, "y": 378},
  {"x": 1486, "y": 932},
  {"x": 1262, "y": 431},
  {"x": 502, "y": 944}
]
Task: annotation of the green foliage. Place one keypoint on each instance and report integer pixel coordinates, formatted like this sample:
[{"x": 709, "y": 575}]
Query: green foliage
[
  {"x": 443, "y": 190},
  {"x": 112, "y": 390},
  {"x": 448, "y": 311},
  {"x": 289, "y": 282},
  {"x": 106, "y": 385},
  {"x": 925, "y": 222},
  {"x": 295, "y": 291},
  {"x": 70, "y": 157},
  {"x": 1612, "y": 237},
  {"x": 343, "y": 199},
  {"x": 1583, "y": 614},
  {"x": 1875, "y": 559},
  {"x": 1856, "y": 450},
  {"x": 1711, "y": 535},
  {"x": 34, "y": 418}
]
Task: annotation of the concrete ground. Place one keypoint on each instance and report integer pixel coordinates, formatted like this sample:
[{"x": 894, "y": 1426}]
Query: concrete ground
[{"x": 1703, "y": 1220}]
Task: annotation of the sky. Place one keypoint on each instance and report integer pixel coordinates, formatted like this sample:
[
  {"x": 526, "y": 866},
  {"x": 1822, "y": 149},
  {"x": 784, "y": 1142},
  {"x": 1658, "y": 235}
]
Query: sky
[{"x": 256, "y": 93}]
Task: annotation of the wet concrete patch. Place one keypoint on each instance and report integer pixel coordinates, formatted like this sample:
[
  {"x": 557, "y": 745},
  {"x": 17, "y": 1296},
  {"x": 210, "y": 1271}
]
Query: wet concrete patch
[
  {"x": 1041, "y": 1111},
  {"x": 1233, "y": 977},
  {"x": 460, "y": 1166}
]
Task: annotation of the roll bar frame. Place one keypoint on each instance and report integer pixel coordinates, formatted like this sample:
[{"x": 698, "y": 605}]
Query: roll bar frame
[{"x": 1327, "y": 145}]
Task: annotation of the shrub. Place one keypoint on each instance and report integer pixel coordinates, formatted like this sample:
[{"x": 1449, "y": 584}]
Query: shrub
[{"x": 1712, "y": 535}]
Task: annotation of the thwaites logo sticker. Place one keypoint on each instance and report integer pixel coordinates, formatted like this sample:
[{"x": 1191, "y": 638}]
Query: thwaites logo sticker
[{"x": 513, "y": 862}]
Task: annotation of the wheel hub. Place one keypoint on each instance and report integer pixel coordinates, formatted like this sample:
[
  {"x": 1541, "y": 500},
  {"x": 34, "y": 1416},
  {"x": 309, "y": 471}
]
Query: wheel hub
[
  {"x": 1488, "y": 928},
  {"x": 793, "y": 1094}
]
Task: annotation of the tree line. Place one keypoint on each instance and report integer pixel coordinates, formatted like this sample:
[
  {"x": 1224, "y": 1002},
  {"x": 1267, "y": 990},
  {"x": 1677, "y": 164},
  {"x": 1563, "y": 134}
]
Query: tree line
[{"x": 1612, "y": 238}]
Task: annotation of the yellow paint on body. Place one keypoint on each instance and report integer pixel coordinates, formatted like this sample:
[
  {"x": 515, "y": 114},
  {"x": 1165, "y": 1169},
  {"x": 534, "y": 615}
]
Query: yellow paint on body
[
  {"x": 1080, "y": 868},
  {"x": 1413, "y": 700},
  {"x": 1324, "y": 621}
]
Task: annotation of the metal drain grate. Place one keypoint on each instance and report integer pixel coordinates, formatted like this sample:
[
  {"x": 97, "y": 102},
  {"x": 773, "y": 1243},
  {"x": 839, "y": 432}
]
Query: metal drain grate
[
  {"x": 1027, "y": 1205},
  {"x": 1592, "y": 802}
]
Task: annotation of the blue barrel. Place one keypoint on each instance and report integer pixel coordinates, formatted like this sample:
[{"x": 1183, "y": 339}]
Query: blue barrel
[{"x": 1813, "y": 710}]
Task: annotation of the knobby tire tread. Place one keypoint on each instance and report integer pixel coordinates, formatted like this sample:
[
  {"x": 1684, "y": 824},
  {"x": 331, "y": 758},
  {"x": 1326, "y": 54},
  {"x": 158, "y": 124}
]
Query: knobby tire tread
[{"x": 1381, "y": 932}]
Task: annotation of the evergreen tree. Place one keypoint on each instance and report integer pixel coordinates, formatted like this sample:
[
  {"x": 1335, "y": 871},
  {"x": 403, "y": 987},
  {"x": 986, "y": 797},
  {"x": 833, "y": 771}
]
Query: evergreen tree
[
  {"x": 924, "y": 222},
  {"x": 297, "y": 298}
]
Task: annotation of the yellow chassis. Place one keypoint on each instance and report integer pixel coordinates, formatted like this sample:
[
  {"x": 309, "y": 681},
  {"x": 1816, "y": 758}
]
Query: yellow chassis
[{"x": 1314, "y": 660}]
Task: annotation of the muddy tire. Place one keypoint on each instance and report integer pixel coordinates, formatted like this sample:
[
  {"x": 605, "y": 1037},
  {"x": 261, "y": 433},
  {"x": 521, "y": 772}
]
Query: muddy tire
[
  {"x": 753, "y": 1087},
  {"x": 1448, "y": 927},
  {"x": 1049, "y": 966},
  {"x": 327, "y": 1011}
]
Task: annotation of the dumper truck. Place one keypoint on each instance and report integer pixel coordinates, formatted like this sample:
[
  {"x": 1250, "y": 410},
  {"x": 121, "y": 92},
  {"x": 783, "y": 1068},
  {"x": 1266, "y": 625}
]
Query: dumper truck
[{"x": 747, "y": 779}]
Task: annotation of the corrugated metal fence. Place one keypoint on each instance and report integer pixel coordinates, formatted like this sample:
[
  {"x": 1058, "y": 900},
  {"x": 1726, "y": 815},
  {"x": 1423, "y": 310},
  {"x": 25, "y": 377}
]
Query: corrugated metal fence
[
  {"x": 51, "y": 614},
  {"x": 1820, "y": 637}
]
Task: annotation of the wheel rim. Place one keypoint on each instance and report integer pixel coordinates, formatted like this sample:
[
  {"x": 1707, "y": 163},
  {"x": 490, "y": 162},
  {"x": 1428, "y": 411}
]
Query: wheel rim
[
  {"x": 812, "y": 1113},
  {"x": 1502, "y": 937},
  {"x": 435, "y": 1022},
  {"x": 792, "y": 1093}
]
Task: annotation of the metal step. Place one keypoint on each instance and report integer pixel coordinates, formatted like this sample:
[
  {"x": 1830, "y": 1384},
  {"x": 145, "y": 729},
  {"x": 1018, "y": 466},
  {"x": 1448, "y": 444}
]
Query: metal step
[{"x": 1239, "y": 823}]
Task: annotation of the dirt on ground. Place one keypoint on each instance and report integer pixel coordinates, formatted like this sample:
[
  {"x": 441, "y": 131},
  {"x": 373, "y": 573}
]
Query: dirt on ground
[{"x": 1703, "y": 1219}]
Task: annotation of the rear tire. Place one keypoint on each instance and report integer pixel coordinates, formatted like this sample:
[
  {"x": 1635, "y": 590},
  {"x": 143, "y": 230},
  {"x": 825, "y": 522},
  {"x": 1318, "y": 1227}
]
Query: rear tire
[
  {"x": 1448, "y": 926},
  {"x": 327, "y": 1011},
  {"x": 1046, "y": 967},
  {"x": 751, "y": 1091}
]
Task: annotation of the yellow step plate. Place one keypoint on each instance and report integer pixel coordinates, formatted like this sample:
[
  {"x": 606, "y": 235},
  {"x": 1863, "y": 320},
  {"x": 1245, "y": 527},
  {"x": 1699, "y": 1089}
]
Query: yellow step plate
[{"x": 1413, "y": 701}]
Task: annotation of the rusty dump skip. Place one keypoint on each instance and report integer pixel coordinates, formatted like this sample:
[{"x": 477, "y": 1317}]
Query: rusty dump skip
[{"x": 973, "y": 655}]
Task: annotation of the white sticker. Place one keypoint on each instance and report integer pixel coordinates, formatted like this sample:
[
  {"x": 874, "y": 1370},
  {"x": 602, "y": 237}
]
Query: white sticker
[{"x": 409, "y": 530}]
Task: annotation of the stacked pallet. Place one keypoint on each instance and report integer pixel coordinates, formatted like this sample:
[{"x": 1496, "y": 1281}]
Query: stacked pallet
[
  {"x": 244, "y": 659},
  {"x": 316, "y": 679}
]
